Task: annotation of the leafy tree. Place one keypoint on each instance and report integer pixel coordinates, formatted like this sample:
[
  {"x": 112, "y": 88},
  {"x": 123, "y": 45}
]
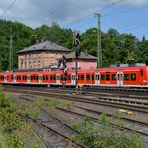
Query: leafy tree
[
  {"x": 116, "y": 48},
  {"x": 143, "y": 52}
]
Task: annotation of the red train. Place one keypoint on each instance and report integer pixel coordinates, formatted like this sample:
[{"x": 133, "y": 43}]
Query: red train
[{"x": 127, "y": 76}]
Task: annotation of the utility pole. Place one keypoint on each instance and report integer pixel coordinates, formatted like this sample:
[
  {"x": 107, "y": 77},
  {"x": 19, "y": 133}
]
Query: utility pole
[
  {"x": 10, "y": 51},
  {"x": 99, "y": 49}
]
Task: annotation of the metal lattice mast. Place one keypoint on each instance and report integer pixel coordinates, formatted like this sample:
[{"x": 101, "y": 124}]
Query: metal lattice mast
[
  {"x": 99, "y": 48},
  {"x": 10, "y": 51}
]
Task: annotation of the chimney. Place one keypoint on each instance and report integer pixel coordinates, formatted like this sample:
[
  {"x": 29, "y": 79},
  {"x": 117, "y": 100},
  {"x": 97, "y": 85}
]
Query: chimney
[
  {"x": 42, "y": 40},
  {"x": 37, "y": 41},
  {"x": 86, "y": 52}
]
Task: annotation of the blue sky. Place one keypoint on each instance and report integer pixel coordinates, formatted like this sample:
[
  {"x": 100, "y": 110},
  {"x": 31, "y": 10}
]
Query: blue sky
[
  {"x": 127, "y": 16},
  {"x": 126, "y": 19}
]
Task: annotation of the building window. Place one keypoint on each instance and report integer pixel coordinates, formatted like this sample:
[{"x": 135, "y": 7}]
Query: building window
[{"x": 30, "y": 65}]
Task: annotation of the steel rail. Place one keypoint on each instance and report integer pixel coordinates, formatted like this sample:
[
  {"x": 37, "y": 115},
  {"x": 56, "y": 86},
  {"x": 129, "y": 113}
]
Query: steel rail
[{"x": 82, "y": 99}]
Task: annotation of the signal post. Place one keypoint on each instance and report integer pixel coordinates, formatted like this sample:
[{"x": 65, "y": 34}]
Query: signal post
[{"x": 77, "y": 52}]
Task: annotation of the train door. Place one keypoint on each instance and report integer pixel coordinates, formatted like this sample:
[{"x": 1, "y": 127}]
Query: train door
[
  {"x": 28, "y": 78},
  {"x": 40, "y": 78},
  {"x": 5, "y": 79},
  {"x": 14, "y": 78},
  {"x": 120, "y": 78},
  {"x": 73, "y": 79},
  {"x": 97, "y": 79},
  {"x": 58, "y": 79}
]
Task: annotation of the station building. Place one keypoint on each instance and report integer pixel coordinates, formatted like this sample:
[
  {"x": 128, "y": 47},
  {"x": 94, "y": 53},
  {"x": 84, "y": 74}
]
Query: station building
[
  {"x": 85, "y": 61},
  {"x": 42, "y": 54}
]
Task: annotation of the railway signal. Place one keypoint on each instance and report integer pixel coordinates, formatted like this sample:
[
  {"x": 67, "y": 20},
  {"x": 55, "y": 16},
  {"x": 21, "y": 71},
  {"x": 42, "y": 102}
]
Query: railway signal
[
  {"x": 77, "y": 39},
  {"x": 77, "y": 52}
]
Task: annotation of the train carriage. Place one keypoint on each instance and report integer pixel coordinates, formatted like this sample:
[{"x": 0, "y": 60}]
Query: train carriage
[{"x": 122, "y": 77}]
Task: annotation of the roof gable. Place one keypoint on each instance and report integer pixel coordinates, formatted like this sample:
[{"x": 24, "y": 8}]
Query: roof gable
[
  {"x": 47, "y": 45},
  {"x": 83, "y": 56}
]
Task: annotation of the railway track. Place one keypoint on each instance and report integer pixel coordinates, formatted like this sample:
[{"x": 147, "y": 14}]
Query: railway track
[
  {"x": 52, "y": 131},
  {"x": 112, "y": 102},
  {"x": 131, "y": 125},
  {"x": 129, "y": 128},
  {"x": 143, "y": 125},
  {"x": 107, "y": 91}
]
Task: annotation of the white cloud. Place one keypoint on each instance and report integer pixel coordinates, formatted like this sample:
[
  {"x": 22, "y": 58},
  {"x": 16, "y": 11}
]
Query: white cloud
[{"x": 34, "y": 12}]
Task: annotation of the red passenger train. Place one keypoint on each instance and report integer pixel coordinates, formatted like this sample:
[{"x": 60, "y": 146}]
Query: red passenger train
[{"x": 126, "y": 76}]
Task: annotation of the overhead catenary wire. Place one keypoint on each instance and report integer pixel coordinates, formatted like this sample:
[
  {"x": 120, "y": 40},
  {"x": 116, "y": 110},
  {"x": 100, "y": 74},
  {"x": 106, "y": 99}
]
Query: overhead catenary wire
[
  {"x": 54, "y": 10},
  {"x": 89, "y": 15},
  {"x": 129, "y": 10},
  {"x": 135, "y": 26},
  {"x": 7, "y": 9},
  {"x": 109, "y": 13}
]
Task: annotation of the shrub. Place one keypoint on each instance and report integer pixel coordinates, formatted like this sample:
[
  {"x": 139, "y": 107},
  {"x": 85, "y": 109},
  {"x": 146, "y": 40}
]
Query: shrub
[{"x": 104, "y": 135}]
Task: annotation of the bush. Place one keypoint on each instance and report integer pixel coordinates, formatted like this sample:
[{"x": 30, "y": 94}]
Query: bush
[
  {"x": 4, "y": 100},
  {"x": 104, "y": 135},
  {"x": 15, "y": 141}
]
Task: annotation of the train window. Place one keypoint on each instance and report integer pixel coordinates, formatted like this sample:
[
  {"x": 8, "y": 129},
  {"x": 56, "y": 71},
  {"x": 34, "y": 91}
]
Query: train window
[
  {"x": 58, "y": 77},
  {"x": 107, "y": 77},
  {"x": 81, "y": 77},
  {"x": 102, "y": 77},
  {"x": 23, "y": 77},
  {"x": 41, "y": 77},
  {"x": 54, "y": 77},
  {"x": 141, "y": 72},
  {"x": 120, "y": 77},
  {"x": 62, "y": 77},
  {"x": 92, "y": 77},
  {"x": 69, "y": 77},
  {"x": 88, "y": 77},
  {"x": 97, "y": 77},
  {"x": 46, "y": 77},
  {"x": 113, "y": 77},
  {"x": 50, "y": 77},
  {"x": 126, "y": 77},
  {"x": 73, "y": 77},
  {"x": 37, "y": 78},
  {"x": 133, "y": 77},
  {"x": 1, "y": 77}
]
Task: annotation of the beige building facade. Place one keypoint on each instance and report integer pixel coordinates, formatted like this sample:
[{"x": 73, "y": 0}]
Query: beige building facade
[{"x": 40, "y": 55}]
